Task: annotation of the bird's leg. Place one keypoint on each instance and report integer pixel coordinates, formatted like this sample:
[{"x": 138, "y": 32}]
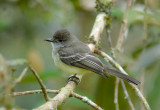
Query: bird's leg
[{"x": 74, "y": 79}]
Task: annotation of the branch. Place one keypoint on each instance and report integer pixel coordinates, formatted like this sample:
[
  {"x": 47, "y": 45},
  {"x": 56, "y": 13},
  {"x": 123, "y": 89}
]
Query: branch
[
  {"x": 123, "y": 26},
  {"x": 145, "y": 37},
  {"x": 97, "y": 30},
  {"x": 117, "y": 79},
  {"x": 86, "y": 100},
  {"x": 120, "y": 41},
  {"x": 116, "y": 94},
  {"x": 59, "y": 98},
  {"x": 21, "y": 75},
  {"x": 100, "y": 22},
  {"x": 82, "y": 98},
  {"x": 33, "y": 92},
  {"x": 96, "y": 37},
  {"x": 110, "y": 42},
  {"x": 117, "y": 66},
  {"x": 142, "y": 85},
  {"x": 127, "y": 95},
  {"x": 14, "y": 83},
  {"x": 46, "y": 97},
  {"x": 63, "y": 94}
]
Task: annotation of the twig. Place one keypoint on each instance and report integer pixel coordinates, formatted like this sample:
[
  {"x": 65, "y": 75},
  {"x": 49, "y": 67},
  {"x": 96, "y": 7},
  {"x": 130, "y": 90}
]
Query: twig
[
  {"x": 145, "y": 37},
  {"x": 40, "y": 83},
  {"x": 12, "y": 85},
  {"x": 117, "y": 79},
  {"x": 120, "y": 41},
  {"x": 60, "y": 97},
  {"x": 116, "y": 65},
  {"x": 110, "y": 42},
  {"x": 123, "y": 26},
  {"x": 86, "y": 100},
  {"x": 116, "y": 94},
  {"x": 33, "y": 92},
  {"x": 127, "y": 95},
  {"x": 142, "y": 85},
  {"x": 21, "y": 75},
  {"x": 8, "y": 83},
  {"x": 82, "y": 98},
  {"x": 140, "y": 95}
]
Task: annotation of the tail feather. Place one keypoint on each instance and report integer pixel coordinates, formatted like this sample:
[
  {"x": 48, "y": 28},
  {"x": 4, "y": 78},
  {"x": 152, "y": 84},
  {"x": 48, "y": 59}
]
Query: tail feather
[{"x": 121, "y": 75}]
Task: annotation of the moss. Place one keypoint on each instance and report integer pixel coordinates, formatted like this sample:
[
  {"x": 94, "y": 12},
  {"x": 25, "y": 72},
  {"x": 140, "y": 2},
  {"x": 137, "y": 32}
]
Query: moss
[
  {"x": 91, "y": 40},
  {"x": 105, "y": 6}
]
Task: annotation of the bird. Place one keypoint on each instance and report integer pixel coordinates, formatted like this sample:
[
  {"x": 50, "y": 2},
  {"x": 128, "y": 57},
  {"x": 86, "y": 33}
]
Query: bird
[{"x": 75, "y": 57}]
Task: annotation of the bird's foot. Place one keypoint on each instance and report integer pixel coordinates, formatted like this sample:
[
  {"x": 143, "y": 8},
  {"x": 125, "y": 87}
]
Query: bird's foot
[{"x": 74, "y": 79}]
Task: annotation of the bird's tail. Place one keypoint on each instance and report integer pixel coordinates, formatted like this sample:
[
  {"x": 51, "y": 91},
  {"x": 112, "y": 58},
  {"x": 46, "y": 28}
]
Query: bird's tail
[{"x": 121, "y": 75}]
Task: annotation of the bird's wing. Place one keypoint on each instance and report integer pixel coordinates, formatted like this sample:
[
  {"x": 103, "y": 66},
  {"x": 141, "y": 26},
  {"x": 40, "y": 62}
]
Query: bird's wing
[
  {"x": 83, "y": 60},
  {"x": 90, "y": 62}
]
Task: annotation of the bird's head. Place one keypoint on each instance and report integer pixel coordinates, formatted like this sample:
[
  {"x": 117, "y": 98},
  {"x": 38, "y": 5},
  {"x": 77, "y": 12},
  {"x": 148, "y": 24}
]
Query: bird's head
[{"x": 60, "y": 36}]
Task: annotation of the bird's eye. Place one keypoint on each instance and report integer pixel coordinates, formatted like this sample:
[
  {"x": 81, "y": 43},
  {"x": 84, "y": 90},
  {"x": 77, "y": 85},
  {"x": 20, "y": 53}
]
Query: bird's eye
[{"x": 60, "y": 40}]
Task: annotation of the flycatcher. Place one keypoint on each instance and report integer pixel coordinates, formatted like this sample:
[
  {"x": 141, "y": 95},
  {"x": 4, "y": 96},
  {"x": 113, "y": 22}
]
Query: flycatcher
[{"x": 74, "y": 57}]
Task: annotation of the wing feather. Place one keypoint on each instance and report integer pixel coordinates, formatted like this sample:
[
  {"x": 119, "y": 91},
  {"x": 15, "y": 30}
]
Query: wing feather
[
  {"x": 90, "y": 62},
  {"x": 85, "y": 61}
]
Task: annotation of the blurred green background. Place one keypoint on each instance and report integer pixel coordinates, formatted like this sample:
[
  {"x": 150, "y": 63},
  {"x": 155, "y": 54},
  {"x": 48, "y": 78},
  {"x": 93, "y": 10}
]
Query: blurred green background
[{"x": 24, "y": 24}]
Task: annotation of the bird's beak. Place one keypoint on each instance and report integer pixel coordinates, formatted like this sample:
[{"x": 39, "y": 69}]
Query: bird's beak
[{"x": 48, "y": 40}]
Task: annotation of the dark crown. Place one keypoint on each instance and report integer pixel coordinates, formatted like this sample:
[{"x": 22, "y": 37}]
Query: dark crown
[{"x": 62, "y": 34}]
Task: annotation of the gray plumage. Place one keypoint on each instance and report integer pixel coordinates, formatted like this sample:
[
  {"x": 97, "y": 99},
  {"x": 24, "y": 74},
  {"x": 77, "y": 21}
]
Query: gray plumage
[{"x": 73, "y": 52}]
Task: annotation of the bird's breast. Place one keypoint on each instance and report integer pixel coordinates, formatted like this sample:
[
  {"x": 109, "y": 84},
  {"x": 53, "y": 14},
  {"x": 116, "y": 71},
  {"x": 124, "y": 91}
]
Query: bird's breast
[{"x": 68, "y": 68}]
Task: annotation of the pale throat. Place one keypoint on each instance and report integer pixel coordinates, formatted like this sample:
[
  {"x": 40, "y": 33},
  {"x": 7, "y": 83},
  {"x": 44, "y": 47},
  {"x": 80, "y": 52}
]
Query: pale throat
[{"x": 56, "y": 47}]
